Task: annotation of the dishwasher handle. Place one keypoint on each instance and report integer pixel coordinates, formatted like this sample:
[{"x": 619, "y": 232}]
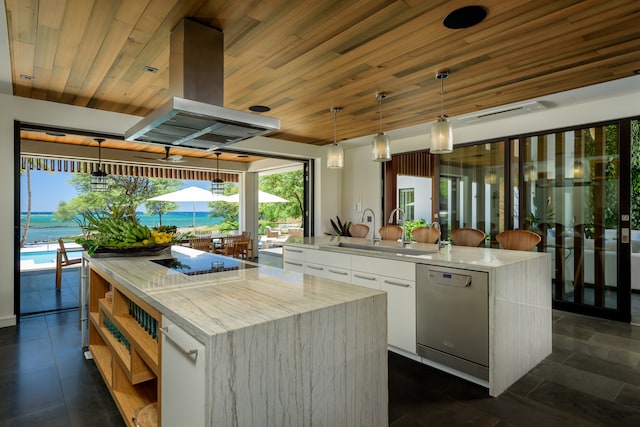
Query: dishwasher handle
[{"x": 449, "y": 279}]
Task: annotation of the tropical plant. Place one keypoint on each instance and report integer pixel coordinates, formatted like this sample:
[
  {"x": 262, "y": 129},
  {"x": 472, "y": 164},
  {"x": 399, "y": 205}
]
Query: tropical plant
[
  {"x": 409, "y": 226},
  {"x": 340, "y": 228}
]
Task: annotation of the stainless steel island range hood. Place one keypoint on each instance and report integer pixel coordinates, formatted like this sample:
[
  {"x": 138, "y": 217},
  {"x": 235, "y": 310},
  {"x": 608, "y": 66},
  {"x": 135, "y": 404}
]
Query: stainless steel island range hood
[{"x": 194, "y": 116}]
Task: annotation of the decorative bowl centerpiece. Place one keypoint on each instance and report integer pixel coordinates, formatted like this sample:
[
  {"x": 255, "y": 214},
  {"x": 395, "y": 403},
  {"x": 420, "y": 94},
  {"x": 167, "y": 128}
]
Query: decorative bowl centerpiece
[{"x": 109, "y": 236}]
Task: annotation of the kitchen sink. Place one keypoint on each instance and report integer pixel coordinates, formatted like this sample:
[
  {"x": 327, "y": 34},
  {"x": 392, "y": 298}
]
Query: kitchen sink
[{"x": 388, "y": 249}]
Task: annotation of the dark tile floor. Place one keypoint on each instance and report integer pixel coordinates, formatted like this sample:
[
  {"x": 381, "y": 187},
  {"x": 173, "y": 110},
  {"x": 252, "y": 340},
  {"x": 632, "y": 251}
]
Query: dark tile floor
[{"x": 592, "y": 378}]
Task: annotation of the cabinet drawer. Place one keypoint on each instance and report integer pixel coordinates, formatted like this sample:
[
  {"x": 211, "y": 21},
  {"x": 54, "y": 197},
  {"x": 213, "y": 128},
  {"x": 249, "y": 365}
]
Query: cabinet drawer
[
  {"x": 333, "y": 259},
  {"x": 339, "y": 274},
  {"x": 294, "y": 265},
  {"x": 314, "y": 269},
  {"x": 294, "y": 253},
  {"x": 368, "y": 280},
  {"x": 384, "y": 267}
]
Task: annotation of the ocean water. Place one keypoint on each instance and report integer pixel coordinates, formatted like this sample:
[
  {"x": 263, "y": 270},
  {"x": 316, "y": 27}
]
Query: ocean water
[{"x": 43, "y": 227}]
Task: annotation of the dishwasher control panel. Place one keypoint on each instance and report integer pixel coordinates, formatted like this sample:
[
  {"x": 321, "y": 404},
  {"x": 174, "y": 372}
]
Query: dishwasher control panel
[{"x": 449, "y": 279}]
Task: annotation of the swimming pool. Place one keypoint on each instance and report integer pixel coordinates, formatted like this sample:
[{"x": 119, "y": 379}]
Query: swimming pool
[{"x": 45, "y": 257}]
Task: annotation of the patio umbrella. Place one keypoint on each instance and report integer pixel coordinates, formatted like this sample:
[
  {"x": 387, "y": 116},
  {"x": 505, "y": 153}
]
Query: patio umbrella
[
  {"x": 190, "y": 194},
  {"x": 263, "y": 197}
]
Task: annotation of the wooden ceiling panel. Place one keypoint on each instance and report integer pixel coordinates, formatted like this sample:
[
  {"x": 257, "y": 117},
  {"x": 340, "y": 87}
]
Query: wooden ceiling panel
[{"x": 303, "y": 57}]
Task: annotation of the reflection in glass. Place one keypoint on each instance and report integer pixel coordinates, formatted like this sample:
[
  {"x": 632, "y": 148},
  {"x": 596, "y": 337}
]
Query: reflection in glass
[{"x": 573, "y": 205}]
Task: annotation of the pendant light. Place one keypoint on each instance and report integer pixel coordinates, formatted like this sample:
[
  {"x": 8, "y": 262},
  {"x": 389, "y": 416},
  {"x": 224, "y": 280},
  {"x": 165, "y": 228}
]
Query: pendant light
[
  {"x": 99, "y": 178},
  {"x": 335, "y": 153},
  {"x": 441, "y": 131},
  {"x": 381, "y": 144},
  {"x": 217, "y": 185}
]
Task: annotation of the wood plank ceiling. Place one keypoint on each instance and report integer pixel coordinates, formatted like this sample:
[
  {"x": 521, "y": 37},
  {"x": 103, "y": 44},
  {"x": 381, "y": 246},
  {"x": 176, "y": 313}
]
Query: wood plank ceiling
[{"x": 302, "y": 57}]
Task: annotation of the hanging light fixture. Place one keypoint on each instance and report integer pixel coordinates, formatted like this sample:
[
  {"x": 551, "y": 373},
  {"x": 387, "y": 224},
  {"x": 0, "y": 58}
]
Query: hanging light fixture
[
  {"x": 491, "y": 177},
  {"x": 441, "y": 131},
  {"x": 217, "y": 185},
  {"x": 99, "y": 178},
  {"x": 381, "y": 144},
  {"x": 335, "y": 153}
]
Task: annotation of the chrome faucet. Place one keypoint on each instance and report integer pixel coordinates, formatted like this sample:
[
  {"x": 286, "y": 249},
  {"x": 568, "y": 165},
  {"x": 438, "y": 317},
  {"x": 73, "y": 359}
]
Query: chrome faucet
[
  {"x": 399, "y": 211},
  {"x": 373, "y": 215},
  {"x": 440, "y": 242}
]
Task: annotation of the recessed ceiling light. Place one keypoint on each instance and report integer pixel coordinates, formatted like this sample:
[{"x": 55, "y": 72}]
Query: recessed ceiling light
[
  {"x": 465, "y": 17},
  {"x": 259, "y": 108},
  {"x": 242, "y": 156},
  {"x": 150, "y": 69},
  {"x": 55, "y": 133},
  {"x": 26, "y": 77}
]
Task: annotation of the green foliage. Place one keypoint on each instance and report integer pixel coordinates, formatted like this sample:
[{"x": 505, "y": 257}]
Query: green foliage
[
  {"x": 412, "y": 225},
  {"x": 227, "y": 210},
  {"x": 124, "y": 194},
  {"x": 289, "y": 186},
  {"x": 635, "y": 174},
  {"x": 340, "y": 228}
]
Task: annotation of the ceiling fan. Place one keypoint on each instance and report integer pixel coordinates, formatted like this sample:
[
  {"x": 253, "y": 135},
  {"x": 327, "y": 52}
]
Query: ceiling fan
[{"x": 168, "y": 158}]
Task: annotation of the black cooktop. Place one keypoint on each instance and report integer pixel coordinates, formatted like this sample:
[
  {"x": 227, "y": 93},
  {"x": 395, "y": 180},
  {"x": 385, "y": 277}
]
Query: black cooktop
[{"x": 203, "y": 263}]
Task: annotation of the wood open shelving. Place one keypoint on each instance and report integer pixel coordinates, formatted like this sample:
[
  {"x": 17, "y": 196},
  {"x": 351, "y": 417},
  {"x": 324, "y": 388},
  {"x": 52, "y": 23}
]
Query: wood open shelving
[{"x": 132, "y": 375}]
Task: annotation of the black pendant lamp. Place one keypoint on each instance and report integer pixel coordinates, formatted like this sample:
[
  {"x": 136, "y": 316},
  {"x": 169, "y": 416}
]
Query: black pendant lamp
[
  {"x": 217, "y": 185},
  {"x": 99, "y": 178}
]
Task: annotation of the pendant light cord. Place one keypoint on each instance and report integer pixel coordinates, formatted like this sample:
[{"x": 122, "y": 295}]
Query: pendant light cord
[
  {"x": 380, "y": 102},
  {"x": 441, "y": 97},
  {"x": 335, "y": 127}
]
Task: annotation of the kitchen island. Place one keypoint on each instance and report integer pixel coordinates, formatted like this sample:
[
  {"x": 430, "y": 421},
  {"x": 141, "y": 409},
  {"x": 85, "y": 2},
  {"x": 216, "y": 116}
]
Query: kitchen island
[
  {"x": 237, "y": 343},
  {"x": 481, "y": 314}
]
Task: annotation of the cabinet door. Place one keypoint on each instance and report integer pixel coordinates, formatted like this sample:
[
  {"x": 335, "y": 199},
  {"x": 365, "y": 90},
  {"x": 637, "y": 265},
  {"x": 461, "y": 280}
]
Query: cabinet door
[
  {"x": 401, "y": 312},
  {"x": 183, "y": 377}
]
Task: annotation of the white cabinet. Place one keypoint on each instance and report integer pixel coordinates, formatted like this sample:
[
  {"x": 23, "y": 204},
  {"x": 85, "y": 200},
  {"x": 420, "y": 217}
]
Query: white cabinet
[
  {"x": 398, "y": 280},
  {"x": 294, "y": 259},
  {"x": 401, "y": 312},
  {"x": 183, "y": 377}
]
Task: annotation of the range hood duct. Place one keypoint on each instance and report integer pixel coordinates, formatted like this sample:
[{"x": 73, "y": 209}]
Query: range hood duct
[{"x": 194, "y": 116}]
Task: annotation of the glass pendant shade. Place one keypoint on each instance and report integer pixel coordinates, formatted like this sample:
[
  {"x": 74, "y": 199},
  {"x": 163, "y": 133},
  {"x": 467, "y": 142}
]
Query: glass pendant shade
[
  {"x": 335, "y": 153},
  {"x": 381, "y": 143},
  {"x": 441, "y": 137},
  {"x": 381, "y": 148},
  {"x": 99, "y": 181},
  {"x": 335, "y": 156}
]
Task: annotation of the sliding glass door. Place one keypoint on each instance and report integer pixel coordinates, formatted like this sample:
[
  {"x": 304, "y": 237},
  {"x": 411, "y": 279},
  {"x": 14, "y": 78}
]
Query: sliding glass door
[{"x": 472, "y": 189}]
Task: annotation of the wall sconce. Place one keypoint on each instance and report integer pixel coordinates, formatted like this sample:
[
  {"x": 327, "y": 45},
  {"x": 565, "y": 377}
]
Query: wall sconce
[
  {"x": 441, "y": 131},
  {"x": 335, "y": 153},
  {"x": 381, "y": 144},
  {"x": 99, "y": 181}
]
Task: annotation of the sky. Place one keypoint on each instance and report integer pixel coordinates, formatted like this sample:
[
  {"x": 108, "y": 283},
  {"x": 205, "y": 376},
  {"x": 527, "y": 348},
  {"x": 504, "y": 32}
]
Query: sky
[{"x": 49, "y": 189}]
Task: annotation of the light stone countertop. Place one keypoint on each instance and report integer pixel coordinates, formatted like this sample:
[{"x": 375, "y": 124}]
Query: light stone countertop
[
  {"x": 209, "y": 304},
  {"x": 450, "y": 255}
]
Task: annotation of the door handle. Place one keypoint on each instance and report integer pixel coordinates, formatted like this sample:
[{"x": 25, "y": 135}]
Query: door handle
[{"x": 191, "y": 353}]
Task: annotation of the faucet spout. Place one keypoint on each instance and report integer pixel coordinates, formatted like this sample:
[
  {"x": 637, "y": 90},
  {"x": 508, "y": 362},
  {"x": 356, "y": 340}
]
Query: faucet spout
[
  {"x": 373, "y": 215},
  {"x": 400, "y": 215}
]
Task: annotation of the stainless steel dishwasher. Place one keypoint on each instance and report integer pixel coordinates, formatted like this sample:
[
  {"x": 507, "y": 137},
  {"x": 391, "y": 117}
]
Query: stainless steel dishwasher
[{"x": 452, "y": 312}]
